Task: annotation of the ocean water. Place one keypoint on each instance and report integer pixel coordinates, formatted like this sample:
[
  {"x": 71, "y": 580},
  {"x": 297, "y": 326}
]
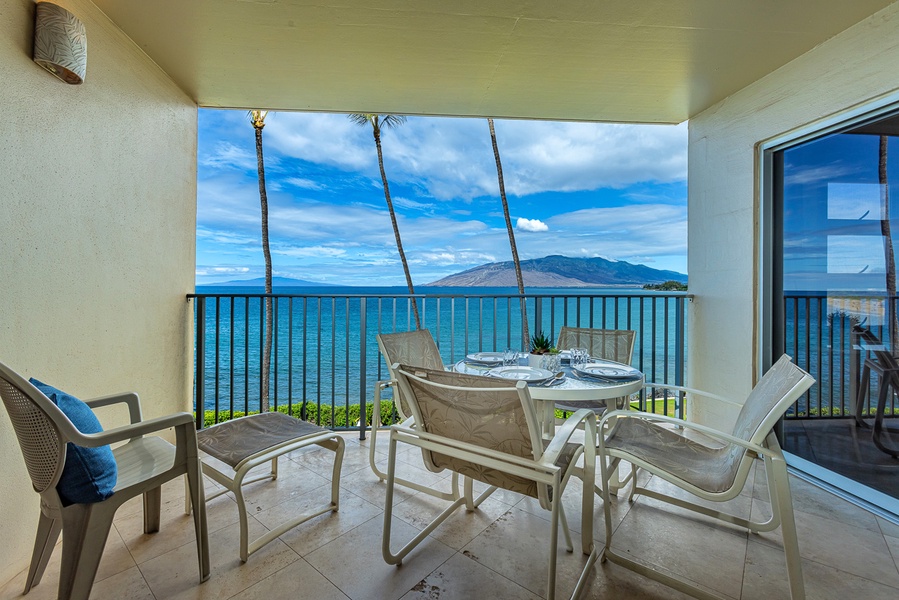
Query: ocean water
[{"x": 325, "y": 351}]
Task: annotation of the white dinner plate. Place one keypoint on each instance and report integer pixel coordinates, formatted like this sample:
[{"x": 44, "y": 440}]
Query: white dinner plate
[
  {"x": 521, "y": 373},
  {"x": 608, "y": 369},
  {"x": 485, "y": 358}
]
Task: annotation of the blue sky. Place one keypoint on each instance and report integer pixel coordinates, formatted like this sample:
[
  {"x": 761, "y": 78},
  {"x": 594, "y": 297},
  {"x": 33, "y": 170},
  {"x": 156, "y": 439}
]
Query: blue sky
[{"x": 577, "y": 189}]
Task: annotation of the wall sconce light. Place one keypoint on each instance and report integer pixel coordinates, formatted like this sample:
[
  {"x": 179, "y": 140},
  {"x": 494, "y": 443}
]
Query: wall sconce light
[{"x": 60, "y": 42}]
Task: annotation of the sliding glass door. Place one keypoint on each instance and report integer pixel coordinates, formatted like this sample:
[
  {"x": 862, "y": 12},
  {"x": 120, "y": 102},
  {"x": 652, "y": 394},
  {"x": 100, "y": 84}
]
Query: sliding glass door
[{"x": 835, "y": 219}]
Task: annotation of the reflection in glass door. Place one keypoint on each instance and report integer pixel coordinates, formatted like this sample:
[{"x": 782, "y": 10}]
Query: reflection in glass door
[{"x": 834, "y": 304}]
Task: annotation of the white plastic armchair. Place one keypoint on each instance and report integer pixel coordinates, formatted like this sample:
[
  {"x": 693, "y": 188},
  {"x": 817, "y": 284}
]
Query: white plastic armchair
[
  {"x": 486, "y": 429},
  {"x": 143, "y": 462},
  {"x": 418, "y": 349},
  {"x": 714, "y": 468}
]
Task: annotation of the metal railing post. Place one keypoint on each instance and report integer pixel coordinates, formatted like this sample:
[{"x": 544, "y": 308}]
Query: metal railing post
[
  {"x": 200, "y": 374},
  {"x": 679, "y": 347},
  {"x": 363, "y": 386},
  {"x": 538, "y": 320}
]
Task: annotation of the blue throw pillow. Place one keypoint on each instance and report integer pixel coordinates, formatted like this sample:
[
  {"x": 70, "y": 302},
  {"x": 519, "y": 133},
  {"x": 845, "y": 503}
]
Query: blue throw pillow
[{"x": 89, "y": 474}]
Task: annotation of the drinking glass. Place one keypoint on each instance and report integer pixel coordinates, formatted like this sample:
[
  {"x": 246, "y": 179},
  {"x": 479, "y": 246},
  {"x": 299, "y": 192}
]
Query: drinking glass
[
  {"x": 552, "y": 362},
  {"x": 579, "y": 357},
  {"x": 510, "y": 357}
]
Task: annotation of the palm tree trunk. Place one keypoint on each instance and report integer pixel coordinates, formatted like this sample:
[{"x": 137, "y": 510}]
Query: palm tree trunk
[
  {"x": 889, "y": 256},
  {"x": 396, "y": 229},
  {"x": 267, "y": 346},
  {"x": 515, "y": 261}
]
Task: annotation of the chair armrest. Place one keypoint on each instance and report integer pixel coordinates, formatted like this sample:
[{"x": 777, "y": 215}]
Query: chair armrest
[
  {"x": 687, "y": 390},
  {"x": 566, "y": 430},
  {"x": 129, "y": 398},
  {"x": 127, "y": 432},
  {"x": 709, "y": 431}
]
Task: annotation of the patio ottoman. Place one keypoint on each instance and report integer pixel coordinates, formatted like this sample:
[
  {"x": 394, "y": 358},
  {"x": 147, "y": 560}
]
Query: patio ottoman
[{"x": 250, "y": 441}]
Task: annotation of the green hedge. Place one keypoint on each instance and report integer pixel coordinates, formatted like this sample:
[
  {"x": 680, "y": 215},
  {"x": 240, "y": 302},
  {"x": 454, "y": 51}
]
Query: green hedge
[{"x": 324, "y": 417}]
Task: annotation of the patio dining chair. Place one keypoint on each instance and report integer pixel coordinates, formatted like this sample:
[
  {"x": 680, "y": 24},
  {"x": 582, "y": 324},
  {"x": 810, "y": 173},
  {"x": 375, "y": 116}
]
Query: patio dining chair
[
  {"x": 82, "y": 482},
  {"x": 416, "y": 348},
  {"x": 610, "y": 344},
  {"x": 886, "y": 366},
  {"x": 713, "y": 465},
  {"x": 487, "y": 429}
]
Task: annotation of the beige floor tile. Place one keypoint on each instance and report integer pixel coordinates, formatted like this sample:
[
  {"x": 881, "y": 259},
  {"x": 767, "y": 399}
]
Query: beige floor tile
[
  {"x": 296, "y": 580},
  {"x": 517, "y": 547},
  {"x": 321, "y": 460},
  {"x": 418, "y": 474},
  {"x": 461, "y": 578},
  {"x": 766, "y": 579},
  {"x": 893, "y": 545},
  {"x": 460, "y": 528},
  {"x": 293, "y": 480},
  {"x": 353, "y": 562},
  {"x": 842, "y": 546},
  {"x": 813, "y": 500},
  {"x": 175, "y": 529},
  {"x": 127, "y": 585},
  {"x": 174, "y": 575},
  {"x": 116, "y": 559},
  {"x": 609, "y": 581},
  {"x": 711, "y": 556},
  {"x": 888, "y": 527},
  {"x": 367, "y": 485},
  {"x": 317, "y": 532},
  {"x": 847, "y": 552}
]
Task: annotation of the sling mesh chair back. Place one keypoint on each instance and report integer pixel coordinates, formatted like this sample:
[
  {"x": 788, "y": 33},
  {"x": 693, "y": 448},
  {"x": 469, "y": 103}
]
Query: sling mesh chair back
[
  {"x": 610, "y": 344},
  {"x": 81, "y": 488},
  {"x": 416, "y": 348},
  {"x": 715, "y": 467},
  {"x": 487, "y": 429}
]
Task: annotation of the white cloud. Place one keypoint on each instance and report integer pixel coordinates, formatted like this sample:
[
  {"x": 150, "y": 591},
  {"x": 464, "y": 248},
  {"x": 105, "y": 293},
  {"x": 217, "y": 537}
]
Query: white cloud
[
  {"x": 219, "y": 270},
  {"x": 306, "y": 184},
  {"x": 310, "y": 251},
  {"x": 407, "y": 203},
  {"x": 227, "y": 155},
  {"x": 453, "y": 158},
  {"x": 531, "y": 225}
]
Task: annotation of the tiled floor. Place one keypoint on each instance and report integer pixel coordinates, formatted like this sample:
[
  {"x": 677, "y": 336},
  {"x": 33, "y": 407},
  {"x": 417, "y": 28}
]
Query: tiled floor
[{"x": 495, "y": 552}]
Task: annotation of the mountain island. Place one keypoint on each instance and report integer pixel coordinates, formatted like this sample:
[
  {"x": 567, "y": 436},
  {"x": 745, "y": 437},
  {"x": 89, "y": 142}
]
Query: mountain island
[{"x": 561, "y": 271}]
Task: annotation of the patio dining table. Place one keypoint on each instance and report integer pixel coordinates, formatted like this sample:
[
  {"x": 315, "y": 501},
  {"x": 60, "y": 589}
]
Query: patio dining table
[{"x": 571, "y": 390}]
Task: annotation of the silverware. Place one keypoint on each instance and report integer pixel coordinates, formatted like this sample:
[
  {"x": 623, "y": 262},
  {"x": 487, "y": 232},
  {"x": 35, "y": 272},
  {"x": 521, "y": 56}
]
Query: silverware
[{"x": 552, "y": 379}]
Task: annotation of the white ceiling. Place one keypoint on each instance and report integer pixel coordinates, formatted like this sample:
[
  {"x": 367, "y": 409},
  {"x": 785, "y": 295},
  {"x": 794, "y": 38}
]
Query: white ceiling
[{"x": 596, "y": 60}]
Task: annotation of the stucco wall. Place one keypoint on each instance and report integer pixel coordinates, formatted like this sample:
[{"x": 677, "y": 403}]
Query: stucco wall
[
  {"x": 98, "y": 197},
  {"x": 852, "y": 68}
]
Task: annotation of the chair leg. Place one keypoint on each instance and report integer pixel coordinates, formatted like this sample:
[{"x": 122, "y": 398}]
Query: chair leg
[
  {"x": 779, "y": 483},
  {"x": 47, "y": 533},
  {"x": 152, "y": 509},
  {"x": 194, "y": 482},
  {"x": 397, "y": 559},
  {"x": 85, "y": 528},
  {"x": 887, "y": 384},
  {"x": 862, "y": 394}
]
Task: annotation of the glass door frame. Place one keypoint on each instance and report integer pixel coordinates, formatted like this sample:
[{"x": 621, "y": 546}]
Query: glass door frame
[{"x": 769, "y": 279}]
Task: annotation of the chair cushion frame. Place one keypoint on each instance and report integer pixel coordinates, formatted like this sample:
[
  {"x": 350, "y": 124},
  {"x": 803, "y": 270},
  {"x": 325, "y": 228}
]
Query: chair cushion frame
[
  {"x": 290, "y": 435},
  {"x": 760, "y": 443},
  {"x": 543, "y": 467}
]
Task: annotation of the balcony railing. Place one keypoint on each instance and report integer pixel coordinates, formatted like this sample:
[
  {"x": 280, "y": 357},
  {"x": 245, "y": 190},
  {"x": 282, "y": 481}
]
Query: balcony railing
[
  {"x": 325, "y": 358},
  {"x": 818, "y": 335}
]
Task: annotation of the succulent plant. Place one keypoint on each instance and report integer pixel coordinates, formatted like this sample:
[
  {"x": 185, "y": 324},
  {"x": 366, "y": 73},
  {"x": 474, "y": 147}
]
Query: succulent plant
[{"x": 540, "y": 344}]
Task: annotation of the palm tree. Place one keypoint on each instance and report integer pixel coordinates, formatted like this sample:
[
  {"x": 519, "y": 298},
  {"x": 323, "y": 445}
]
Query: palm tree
[
  {"x": 889, "y": 256},
  {"x": 389, "y": 122},
  {"x": 257, "y": 119},
  {"x": 502, "y": 194}
]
